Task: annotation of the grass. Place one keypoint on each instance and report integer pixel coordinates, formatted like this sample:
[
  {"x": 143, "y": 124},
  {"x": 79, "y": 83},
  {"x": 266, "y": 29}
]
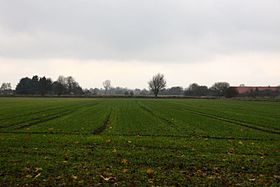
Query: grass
[{"x": 138, "y": 142}]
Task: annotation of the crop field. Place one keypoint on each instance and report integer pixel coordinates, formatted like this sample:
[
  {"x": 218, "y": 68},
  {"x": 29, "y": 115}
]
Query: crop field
[{"x": 139, "y": 142}]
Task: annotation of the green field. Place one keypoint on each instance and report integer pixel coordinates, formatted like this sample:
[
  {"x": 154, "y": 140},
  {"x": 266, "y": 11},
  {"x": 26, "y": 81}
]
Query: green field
[{"x": 137, "y": 142}]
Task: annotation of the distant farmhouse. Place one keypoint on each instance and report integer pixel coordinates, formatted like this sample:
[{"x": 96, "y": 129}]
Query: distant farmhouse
[{"x": 242, "y": 89}]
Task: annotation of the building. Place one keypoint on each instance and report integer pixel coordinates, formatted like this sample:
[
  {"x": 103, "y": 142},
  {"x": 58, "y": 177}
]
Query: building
[{"x": 242, "y": 89}]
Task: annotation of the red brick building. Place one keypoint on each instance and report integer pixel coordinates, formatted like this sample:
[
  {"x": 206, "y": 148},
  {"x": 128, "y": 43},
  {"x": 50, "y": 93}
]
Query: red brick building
[{"x": 247, "y": 89}]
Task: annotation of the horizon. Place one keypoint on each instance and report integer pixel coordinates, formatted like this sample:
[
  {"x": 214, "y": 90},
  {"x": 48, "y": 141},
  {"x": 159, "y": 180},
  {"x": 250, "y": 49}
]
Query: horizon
[
  {"x": 129, "y": 42},
  {"x": 115, "y": 86},
  {"x": 167, "y": 87}
]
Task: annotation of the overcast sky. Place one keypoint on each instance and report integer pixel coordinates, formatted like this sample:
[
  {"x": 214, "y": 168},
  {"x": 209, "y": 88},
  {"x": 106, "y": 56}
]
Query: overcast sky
[{"x": 127, "y": 41}]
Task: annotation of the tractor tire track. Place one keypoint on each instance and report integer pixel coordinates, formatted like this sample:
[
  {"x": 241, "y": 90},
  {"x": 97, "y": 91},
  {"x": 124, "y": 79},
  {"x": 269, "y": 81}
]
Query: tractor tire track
[
  {"x": 52, "y": 117},
  {"x": 46, "y": 119},
  {"x": 44, "y": 133},
  {"x": 104, "y": 125},
  {"x": 195, "y": 138},
  {"x": 41, "y": 118},
  {"x": 233, "y": 121},
  {"x": 149, "y": 111},
  {"x": 189, "y": 138},
  {"x": 42, "y": 111},
  {"x": 31, "y": 113},
  {"x": 30, "y": 121}
]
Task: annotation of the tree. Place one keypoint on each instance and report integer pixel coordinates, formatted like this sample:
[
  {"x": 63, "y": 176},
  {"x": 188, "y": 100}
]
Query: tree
[
  {"x": 70, "y": 83},
  {"x": 219, "y": 88},
  {"x": 131, "y": 93},
  {"x": 196, "y": 90},
  {"x": 35, "y": 85},
  {"x": 107, "y": 85},
  {"x": 5, "y": 87},
  {"x": 25, "y": 86},
  {"x": 73, "y": 86},
  {"x": 66, "y": 85},
  {"x": 145, "y": 92},
  {"x": 76, "y": 89},
  {"x": 176, "y": 90},
  {"x": 45, "y": 85},
  {"x": 157, "y": 84},
  {"x": 231, "y": 92},
  {"x": 59, "y": 87},
  {"x": 61, "y": 79}
]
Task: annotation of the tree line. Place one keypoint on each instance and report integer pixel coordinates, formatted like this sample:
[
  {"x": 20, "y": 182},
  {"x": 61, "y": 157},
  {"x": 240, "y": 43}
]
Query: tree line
[
  {"x": 219, "y": 89},
  {"x": 45, "y": 86},
  {"x": 157, "y": 86},
  {"x": 158, "y": 83}
]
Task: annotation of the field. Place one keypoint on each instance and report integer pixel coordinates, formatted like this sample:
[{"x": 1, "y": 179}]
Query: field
[{"x": 138, "y": 142}]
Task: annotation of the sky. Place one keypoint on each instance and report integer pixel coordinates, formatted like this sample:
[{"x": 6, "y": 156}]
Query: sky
[{"x": 128, "y": 41}]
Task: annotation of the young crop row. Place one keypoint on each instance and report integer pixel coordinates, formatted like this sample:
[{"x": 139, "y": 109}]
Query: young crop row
[
  {"x": 141, "y": 161},
  {"x": 205, "y": 120},
  {"x": 262, "y": 114},
  {"x": 132, "y": 117},
  {"x": 137, "y": 142}
]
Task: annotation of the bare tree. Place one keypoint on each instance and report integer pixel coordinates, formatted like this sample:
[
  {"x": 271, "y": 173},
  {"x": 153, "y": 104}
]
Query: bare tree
[
  {"x": 107, "y": 85},
  {"x": 5, "y": 86},
  {"x": 61, "y": 79},
  {"x": 67, "y": 85},
  {"x": 219, "y": 88},
  {"x": 70, "y": 82},
  {"x": 157, "y": 83}
]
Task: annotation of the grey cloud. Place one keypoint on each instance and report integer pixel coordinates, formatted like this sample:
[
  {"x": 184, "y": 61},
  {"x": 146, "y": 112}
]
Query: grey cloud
[{"x": 158, "y": 30}]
